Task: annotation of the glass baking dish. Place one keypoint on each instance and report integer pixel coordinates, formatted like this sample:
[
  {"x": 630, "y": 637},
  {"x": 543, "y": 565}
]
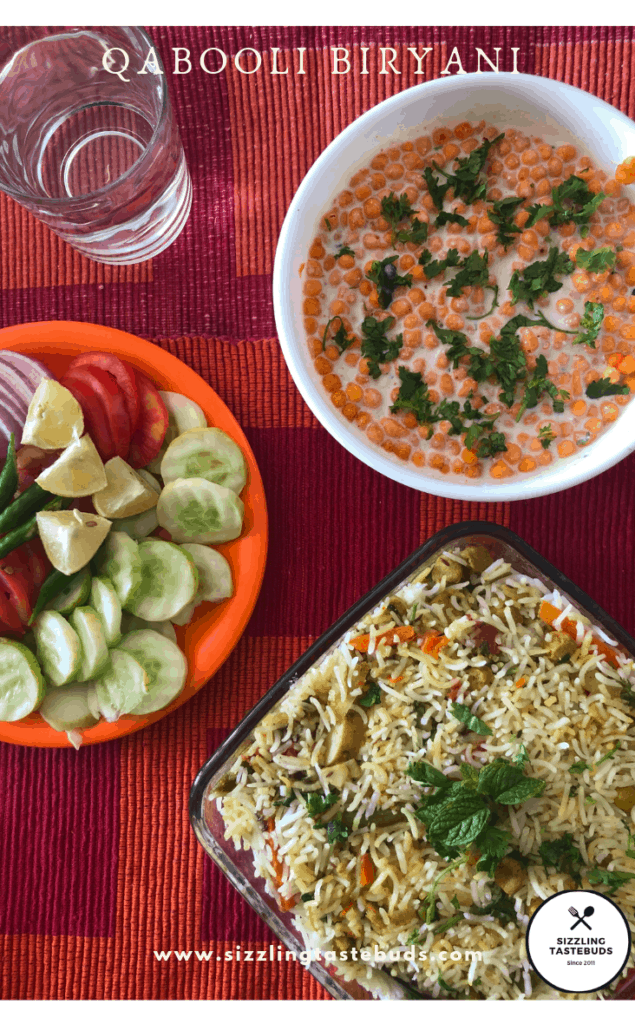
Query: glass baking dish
[{"x": 238, "y": 866}]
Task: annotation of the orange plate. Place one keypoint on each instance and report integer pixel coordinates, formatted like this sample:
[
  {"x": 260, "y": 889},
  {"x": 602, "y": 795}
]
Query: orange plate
[{"x": 215, "y": 630}]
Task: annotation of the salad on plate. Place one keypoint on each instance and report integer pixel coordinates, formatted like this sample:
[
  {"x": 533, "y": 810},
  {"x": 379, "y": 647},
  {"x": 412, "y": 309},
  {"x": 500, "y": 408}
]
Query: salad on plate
[{"x": 112, "y": 497}]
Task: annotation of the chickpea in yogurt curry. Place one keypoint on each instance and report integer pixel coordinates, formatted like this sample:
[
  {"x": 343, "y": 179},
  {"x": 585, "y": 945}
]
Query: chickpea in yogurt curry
[{"x": 469, "y": 301}]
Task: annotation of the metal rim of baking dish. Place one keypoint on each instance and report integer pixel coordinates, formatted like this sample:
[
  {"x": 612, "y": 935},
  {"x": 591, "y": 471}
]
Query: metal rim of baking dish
[{"x": 442, "y": 539}]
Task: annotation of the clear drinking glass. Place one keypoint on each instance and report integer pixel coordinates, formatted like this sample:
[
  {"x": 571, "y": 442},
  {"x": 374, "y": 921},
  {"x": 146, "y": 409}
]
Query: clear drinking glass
[{"x": 95, "y": 157}]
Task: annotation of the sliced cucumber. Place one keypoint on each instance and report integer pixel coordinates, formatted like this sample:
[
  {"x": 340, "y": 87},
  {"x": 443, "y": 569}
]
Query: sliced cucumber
[
  {"x": 165, "y": 664},
  {"x": 76, "y": 593},
  {"x": 59, "y": 650},
  {"x": 91, "y": 700},
  {"x": 67, "y": 708},
  {"x": 214, "y": 573},
  {"x": 94, "y": 659},
  {"x": 103, "y": 598},
  {"x": 207, "y": 453},
  {"x": 118, "y": 559},
  {"x": 122, "y": 686},
  {"x": 139, "y": 526},
  {"x": 184, "y": 414},
  {"x": 200, "y": 512},
  {"x": 185, "y": 615},
  {"x": 169, "y": 581},
  {"x": 129, "y": 623},
  {"x": 22, "y": 685}
]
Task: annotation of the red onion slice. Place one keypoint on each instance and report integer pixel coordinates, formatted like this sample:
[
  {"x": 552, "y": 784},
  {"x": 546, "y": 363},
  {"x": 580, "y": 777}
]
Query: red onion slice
[
  {"x": 15, "y": 384},
  {"x": 9, "y": 402},
  {"x": 31, "y": 370}
]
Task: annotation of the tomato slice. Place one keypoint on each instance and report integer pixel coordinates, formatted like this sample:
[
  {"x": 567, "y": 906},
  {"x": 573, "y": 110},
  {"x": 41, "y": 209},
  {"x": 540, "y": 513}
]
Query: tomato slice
[
  {"x": 122, "y": 373},
  {"x": 38, "y": 563},
  {"x": 15, "y": 607},
  {"x": 94, "y": 416},
  {"x": 107, "y": 391},
  {"x": 147, "y": 439},
  {"x": 18, "y": 565},
  {"x": 32, "y": 461}
]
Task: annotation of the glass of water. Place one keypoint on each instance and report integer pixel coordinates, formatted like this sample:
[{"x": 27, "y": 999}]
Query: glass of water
[{"x": 92, "y": 150}]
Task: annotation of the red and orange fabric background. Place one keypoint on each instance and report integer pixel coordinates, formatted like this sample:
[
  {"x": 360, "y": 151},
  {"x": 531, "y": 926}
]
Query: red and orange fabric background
[{"x": 98, "y": 863}]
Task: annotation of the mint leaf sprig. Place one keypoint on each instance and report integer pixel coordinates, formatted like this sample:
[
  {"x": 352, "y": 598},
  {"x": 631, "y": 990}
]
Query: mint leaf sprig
[{"x": 459, "y": 814}]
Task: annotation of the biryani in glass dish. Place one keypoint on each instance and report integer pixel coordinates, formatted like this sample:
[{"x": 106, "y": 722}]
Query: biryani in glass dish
[{"x": 463, "y": 751}]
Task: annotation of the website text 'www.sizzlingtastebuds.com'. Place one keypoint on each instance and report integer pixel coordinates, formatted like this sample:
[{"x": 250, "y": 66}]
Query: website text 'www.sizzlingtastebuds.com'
[{"x": 273, "y": 953}]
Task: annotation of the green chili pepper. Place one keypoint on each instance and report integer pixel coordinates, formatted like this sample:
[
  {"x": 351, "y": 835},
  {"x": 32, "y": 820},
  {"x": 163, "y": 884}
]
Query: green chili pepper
[
  {"x": 32, "y": 500},
  {"x": 8, "y": 476},
  {"x": 15, "y": 538},
  {"x": 53, "y": 585}
]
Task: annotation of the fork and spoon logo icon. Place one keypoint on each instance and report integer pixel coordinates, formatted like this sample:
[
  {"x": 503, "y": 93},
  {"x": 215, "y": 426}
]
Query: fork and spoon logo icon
[{"x": 588, "y": 912}]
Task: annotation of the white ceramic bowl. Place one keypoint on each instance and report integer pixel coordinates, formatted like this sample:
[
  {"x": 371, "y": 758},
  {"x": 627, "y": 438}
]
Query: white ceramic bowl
[{"x": 540, "y": 106}]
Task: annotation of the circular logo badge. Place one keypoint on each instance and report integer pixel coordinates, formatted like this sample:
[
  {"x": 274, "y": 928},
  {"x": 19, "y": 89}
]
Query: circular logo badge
[{"x": 578, "y": 941}]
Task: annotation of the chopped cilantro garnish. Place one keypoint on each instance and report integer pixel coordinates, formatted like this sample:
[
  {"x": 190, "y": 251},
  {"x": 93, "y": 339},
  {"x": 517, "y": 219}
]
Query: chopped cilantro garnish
[
  {"x": 614, "y": 879},
  {"x": 561, "y": 854},
  {"x": 336, "y": 831},
  {"x": 538, "y": 383},
  {"x": 449, "y": 217},
  {"x": 417, "y": 233},
  {"x": 609, "y": 754},
  {"x": 473, "y": 271},
  {"x": 344, "y": 250},
  {"x": 630, "y": 844},
  {"x": 494, "y": 305},
  {"x": 286, "y": 802},
  {"x": 485, "y": 446},
  {"x": 317, "y": 803},
  {"x": 436, "y": 188},
  {"x": 596, "y": 260},
  {"x": 502, "y": 214},
  {"x": 539, "y": 278},
  {"x": 466, "y": 181},
  {"x": 501, "y": 906},
  {"x": 445, "y": 926},
  {"x": 396, "y": 208},
  {"x": 590, "y": 324},
  {"x": 546, "y": 435},
  {"x": 372, "y": 695},
  {"x": 414, "y": 396},
  {"x": 578, "y": 767},
  {"x": 572, "y": 201},
  {"x": 306, "y": 896},
  {"x": 442, "y": 983},
  {"x": 432, "y": 268},
  {"x": 339, "y": 338},
  {"x": 376, "y": 348},
  {"x": 384, "y": 274},
  {"x": 603, "y": 387}
]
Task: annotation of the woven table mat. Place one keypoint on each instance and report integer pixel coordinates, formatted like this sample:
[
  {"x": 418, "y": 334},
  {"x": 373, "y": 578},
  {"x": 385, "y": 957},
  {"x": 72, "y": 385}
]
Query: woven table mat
[{"x": 99, "y": 865}]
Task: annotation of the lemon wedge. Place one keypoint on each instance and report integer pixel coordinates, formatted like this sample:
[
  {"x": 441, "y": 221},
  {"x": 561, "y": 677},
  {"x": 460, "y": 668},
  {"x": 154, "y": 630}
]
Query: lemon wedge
[
  {"x": 126, "y": 493},
  {"x": 54, "y": 418},
  {"x": 71, "y": 538},
  {"x": 78, "y": 472}
]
